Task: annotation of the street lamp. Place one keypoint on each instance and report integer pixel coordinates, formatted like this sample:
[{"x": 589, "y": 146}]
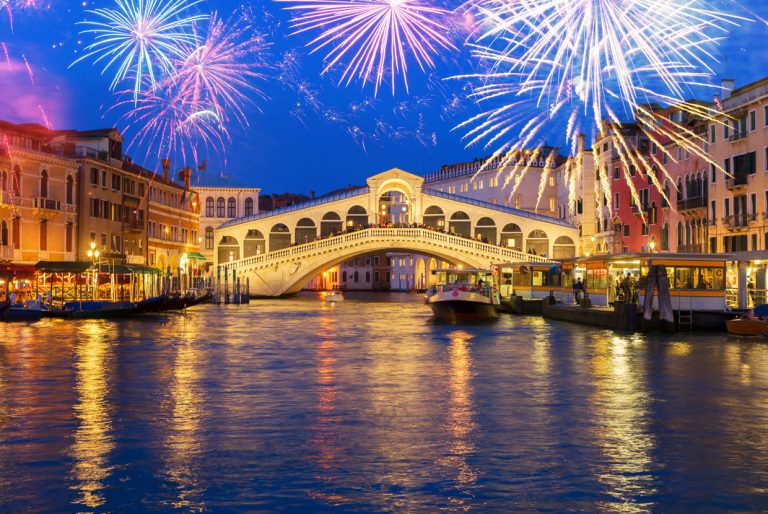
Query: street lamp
[
  {"x": 93, "y": 254},
  {"x": 652, "y": 245}
]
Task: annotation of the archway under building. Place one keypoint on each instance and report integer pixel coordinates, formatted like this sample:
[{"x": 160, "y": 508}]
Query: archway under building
[
  {"x": 565, "y": 248},
  {"x": 485, "y": 230},
  {"x": 279, "y": 237},
  {"x": 537, "y": 243},
  {"x": 460, "y": 224},
  {"x": 306, "y": 231},
  {"x": 229, "y": 249},
  {"x": 512, "y": 236},
  {"x": 357, "y": 217},
  {"x": 253, "y": 244},
  {"x": 330, "y": 224},
  {"x": 434, "y": 217}
]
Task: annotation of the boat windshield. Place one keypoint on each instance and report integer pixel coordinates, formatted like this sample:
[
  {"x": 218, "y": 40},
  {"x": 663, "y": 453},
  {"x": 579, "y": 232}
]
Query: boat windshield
[{"x": 479, "y": 281}]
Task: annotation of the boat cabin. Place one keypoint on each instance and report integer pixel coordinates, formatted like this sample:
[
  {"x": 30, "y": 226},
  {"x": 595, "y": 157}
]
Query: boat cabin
[{"x": 450, "y": 279}]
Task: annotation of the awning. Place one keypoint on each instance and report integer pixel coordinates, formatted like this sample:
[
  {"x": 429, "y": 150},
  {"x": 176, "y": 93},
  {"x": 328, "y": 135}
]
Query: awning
[
  {"x": 124, "y": 269},
  {"x": 8, "y": 268},
  {"x": 62, "y": 266},
  {"x": 196, "y": 256}
]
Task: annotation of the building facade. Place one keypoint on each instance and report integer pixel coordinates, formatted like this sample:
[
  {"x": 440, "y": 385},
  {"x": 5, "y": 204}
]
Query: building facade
[
  {"x": 219, "y": 204},
  {"x": 173, "y": 223},
  {"x": 38, "y": 197},
  {"x": 111, "y": 196}
]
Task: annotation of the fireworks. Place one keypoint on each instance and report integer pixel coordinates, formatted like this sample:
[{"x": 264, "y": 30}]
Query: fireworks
[
  {"x": 587, "y": 66},
  {"x": 141, "y": 38},
  {"x": 373, "y": 38},
  {"x": 221, "y": 69}
]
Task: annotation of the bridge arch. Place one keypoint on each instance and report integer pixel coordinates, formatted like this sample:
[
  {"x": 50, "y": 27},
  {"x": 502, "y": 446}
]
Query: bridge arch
[
  {"x": 229, "y": 249},
  {"x": 460, "y": 224},
  {"x": 279, "y": 237},
  {"x": 254, "y": 243},
  {"x": 434, "y": 217},
  {"x": 330, "y": 224},
  {"x": 306, "y": 231},
  {"x": 563, "y": 248},
  {"x": 537, "y": 243},
  {"x": 357, "y": 216},
  {"x": 512, "y": 236},
  {"x": 485, "y": 230}
]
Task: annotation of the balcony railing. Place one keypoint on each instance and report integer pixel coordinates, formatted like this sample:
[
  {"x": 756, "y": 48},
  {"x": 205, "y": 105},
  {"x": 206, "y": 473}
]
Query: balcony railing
[
  {"x": 133, "y": 226},
  {"x": 687, "y": 204},
  {"x": 736, "y": 181},
  {"x": 47, "y": 203},
  {"x": 737, "y": 136}
]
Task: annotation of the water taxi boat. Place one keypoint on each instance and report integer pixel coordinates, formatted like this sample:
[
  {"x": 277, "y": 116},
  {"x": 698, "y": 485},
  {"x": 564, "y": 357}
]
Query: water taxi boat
[
  {"x": 334, "y": 296},
  {"x": 463, "y": 295},
  {"x": 747, "y": 327}
]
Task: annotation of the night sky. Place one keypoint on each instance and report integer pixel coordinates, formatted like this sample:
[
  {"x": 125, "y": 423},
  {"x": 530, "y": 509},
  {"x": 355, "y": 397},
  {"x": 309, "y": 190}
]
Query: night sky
[{"x": 348, "y": 137}]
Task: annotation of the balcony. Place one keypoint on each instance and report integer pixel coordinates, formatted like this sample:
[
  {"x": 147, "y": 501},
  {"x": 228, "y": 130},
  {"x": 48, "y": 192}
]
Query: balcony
[
  {"x": 736, "y": 222},
  {"x": 737, "y": 136},
  {"x": 737, "y": 181},
  {"x": 133, "y": 226},
  {"x": 689, "y": 204},
  {"x": 45, "y": 208}
]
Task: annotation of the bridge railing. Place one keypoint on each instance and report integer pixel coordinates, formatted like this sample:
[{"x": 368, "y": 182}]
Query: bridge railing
[
  {"x": 502, "y": 253},
  {"x": 297, "y": 207},
  {"x": 497, "y": 207}
]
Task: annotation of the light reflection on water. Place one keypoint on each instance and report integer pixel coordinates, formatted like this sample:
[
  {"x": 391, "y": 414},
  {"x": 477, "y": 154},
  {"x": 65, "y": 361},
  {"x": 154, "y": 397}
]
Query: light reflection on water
[{"x": 367, "y": 406}]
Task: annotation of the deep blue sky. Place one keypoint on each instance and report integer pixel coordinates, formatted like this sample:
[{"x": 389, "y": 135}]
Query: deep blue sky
[{"x": 281, "y": 151}]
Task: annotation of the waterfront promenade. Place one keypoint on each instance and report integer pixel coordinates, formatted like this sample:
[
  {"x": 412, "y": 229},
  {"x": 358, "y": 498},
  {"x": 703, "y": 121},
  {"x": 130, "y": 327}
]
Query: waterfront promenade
[{"x": 303, "y": 406}]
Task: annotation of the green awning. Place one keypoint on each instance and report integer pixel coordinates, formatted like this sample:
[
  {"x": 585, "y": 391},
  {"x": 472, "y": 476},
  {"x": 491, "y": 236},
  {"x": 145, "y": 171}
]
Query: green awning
[
  {"x": 62, "y": 266},
  {"x": 124, "y": 269},
  {"x": 196, "y": 256}
]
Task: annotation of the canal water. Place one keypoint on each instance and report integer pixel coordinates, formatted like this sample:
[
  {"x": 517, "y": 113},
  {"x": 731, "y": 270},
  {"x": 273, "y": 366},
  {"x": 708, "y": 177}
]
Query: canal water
[{"x": 305, "y": 406}]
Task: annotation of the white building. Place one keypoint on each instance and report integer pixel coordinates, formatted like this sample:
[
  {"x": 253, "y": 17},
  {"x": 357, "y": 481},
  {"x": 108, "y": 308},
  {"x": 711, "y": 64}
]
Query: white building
[{"x": 220, "y": 204}]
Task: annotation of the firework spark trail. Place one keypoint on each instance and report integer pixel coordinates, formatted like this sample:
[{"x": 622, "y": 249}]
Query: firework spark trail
[
  {"x": 141, "y": 38},
  {"x": 45, "y": 118},
  {"x": 29, "y": 69},
  {"x": 7, "y": 56},
  {"x": 221, "y": 69},
  {"x": 582, "y": 61},
  {"x": 371, "y": 36}
]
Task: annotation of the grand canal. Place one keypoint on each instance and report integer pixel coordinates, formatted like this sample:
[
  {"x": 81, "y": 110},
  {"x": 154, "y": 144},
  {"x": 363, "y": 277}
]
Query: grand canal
[{"x": 300, "y": 405}]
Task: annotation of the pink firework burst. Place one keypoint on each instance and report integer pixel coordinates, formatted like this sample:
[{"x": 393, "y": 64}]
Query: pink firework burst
[
  {"x": 221, "y": 71},
  {"x": 371, "y": 39}
]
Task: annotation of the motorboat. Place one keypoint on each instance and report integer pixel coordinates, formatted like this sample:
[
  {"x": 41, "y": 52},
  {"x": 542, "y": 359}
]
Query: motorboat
[
  {"x": 334, "y": 296},
  {"x": 746, "y": 326},
  {"x": 461, "y": 295}
]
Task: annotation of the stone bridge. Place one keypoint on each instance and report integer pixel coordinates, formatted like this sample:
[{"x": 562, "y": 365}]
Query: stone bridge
[{"x": 280, "y": 251}]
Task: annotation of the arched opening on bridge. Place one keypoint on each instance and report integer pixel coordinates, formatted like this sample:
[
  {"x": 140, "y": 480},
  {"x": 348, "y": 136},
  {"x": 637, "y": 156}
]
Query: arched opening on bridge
[
  {"x": 485, "y": 230},
  {"x": 306, "y": 231},
  {"x": 279, "y": 237},
  {"x": 229, "y": 250},
  {"x": 460, "y": 224},
  {"x": 512, "y": 237},
  {"x": 161, "y": 263},
  {"x": 430, "y": 266},
  {"x": 537, "y": 243},
  {"x": 357, "y": 218},
  {"x": 253, "y": 244},
  {"x": 434, "y": 217},
  {"x": 564, "y": 248},
  {"x": 394, "y": 208},
  {"x": 421, "y": 274},
  {"x": 331, "y": 223}
]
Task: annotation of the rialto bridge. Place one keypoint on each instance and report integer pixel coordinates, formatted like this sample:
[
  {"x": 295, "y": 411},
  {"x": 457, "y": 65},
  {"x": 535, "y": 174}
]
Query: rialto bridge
[{"x": 279, "y": 251}]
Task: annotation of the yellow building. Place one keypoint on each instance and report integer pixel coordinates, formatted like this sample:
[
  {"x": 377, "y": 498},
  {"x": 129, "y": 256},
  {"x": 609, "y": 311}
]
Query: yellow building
[{"x": 38, "y": 198}]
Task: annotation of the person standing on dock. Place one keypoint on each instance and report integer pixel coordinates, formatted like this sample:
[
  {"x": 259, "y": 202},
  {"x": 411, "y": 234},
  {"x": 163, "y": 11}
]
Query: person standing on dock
[{"x": 578, "y": 287}]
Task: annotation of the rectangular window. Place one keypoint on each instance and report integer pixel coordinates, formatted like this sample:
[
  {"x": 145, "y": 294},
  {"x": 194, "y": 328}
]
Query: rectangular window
[
  {"x": 714, "y": 212},
  {"x": 712, "y": 132},
  {"x": 713, "y": 171},
  {"x": 376, "y": 277},
  {"x": 665, "y": 159},
  {"x": 727, "y": 208},
  {"x": 94, "y": 176},
  {"x": 43, "y": 236},
  {"x": 753, "y": 202},
  {"x": 104, "y": 179},
  {"x": 376, "y": 262},
  {"x": 728, "y": 165},
  {"x": 616, "y": 204},
  {"x": 726, "y": 130},
  {"x": 116, "y": 182},
  {"x": 551, "y": 203},
  {"x": 615, "y": 173},
  {"x": 551, "y": 181},
  {"x": 752, "y": 121},
  {"x": 766, "y": 158},
  {"x": 765, "y": 116},
  {"x": 626, "y": 230}
]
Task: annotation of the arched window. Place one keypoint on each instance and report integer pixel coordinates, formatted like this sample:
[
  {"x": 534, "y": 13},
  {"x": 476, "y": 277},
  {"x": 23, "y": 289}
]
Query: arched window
[
  {"x": 231, "y": 208},
  {"x": 16, "y": 181},
  {"x": 220, "y": 212},
  {"x": 4, "y": 181},
  {"x": 44, "y": 184},
  {"x": 248, "y": 206},
  {"x": 70, "y": 190},
  {"x": 209, "y": 207},
  {"x": 679, "y": 236},
  {"x": 665, "y": 237},
  {"x": 3, "y": 233},
  {"x": 209, "y": 233}
]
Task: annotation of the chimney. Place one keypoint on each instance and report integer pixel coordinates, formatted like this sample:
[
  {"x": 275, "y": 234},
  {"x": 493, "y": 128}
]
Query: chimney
[
  {"x": 187, "y": 177},
  {"x": 166, "y": 169},
  {"x": 727, "y": 85}
]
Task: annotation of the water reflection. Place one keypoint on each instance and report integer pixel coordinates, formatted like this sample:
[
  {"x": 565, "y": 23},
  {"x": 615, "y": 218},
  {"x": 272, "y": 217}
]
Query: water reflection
[
  {"x": 185, "y": 444},
  {"x": 460, "y": 423},
  {"x": 621, "y": 404},
  {"x": 93, "y": 438}
]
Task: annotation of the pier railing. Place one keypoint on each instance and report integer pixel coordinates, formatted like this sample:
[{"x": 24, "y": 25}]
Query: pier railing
[{"x": 492, "y": 253}]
